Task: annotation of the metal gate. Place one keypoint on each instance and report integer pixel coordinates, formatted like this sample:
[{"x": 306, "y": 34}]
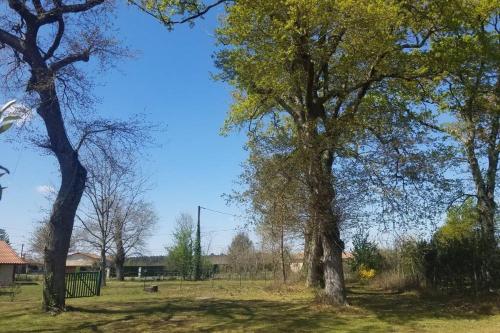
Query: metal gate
[{"x": 83, "y": 284}]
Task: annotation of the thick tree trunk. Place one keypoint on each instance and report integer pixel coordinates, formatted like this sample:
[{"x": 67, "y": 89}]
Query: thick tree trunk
[
  {"x": 60, "y": 230},
  {"x": 486, "y": 203},
  {"x": 333, "y": 269},
  {"x": 119, "y": 251},
  {"x": 119, "y": 271},
  {"x": 119, "y": 262},
  {"x": 73, "y": 177},
  {"x": 485, "y": 193},
  {"x": 314, "y": 265},
  {"x": 323, "y": 200}
]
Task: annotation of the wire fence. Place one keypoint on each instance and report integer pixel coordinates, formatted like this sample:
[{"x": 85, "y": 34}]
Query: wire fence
[{"x": 161, "y": 273}]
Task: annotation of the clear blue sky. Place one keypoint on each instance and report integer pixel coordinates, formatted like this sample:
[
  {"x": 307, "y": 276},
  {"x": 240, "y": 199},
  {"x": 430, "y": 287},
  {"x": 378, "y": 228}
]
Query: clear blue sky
[{"x": 169, "y": 80}]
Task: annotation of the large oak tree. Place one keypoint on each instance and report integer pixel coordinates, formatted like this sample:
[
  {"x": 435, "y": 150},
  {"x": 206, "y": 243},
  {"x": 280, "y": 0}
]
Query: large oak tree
[{"x": 321, "y": 64}]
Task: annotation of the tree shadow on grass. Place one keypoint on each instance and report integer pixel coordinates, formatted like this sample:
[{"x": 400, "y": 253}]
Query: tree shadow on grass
[
  {"x": 214, "y": 315},
  {"x": 372, "y": 311},
  {"x": 402, "y": 308}
]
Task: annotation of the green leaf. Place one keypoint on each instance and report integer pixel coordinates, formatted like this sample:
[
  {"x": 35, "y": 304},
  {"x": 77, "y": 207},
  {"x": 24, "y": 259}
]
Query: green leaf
[
  {"x": 5, "y": 126},
  {"x": 6, "y": 106}
]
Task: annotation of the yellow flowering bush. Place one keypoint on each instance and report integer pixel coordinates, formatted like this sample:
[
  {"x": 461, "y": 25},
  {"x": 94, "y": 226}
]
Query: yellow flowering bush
[{"x": 366, "y": 273}]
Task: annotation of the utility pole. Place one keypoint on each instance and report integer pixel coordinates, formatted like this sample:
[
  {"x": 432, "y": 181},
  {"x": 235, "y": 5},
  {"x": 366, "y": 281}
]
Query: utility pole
[{"x": 197, "y": 251}]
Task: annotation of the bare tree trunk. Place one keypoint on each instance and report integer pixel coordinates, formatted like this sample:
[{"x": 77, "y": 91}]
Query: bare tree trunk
[
  {"x": 485, "y": 192},
  {"x": 119, "y": 271},
  {"x": 103, "y": 266},
  {"x": 119, "y": 260},
  {"x": 333, "y": 269},
  {"x": 73, "y": 177},
  {"x": 323, "y": 199},
  {"x": 314, "y": 265}
]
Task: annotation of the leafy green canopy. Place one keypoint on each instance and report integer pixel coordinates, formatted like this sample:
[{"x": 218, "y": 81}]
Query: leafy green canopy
[
  {"x": 292, "y": 55},
  {"x": 332, "y": 75},
  {"x": 461, "y": 223}
]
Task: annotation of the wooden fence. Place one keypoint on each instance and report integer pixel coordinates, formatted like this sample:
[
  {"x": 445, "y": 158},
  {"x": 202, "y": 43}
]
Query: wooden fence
[{"x": 83, "y": 284}]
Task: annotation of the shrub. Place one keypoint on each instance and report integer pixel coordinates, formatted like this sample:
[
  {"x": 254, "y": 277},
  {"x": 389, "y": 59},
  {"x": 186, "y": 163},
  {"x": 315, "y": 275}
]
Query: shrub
[
  {"x": 403, "y": 266},
  {"x": 365, "y": 273},
  {"x": 365, "y": 254},
  {"x": 453, "y": 259},
  {"x": 394, "y": 281}
]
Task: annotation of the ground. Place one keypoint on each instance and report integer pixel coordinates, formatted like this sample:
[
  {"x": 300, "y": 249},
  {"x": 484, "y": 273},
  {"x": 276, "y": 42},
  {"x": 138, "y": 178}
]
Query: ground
[{"x": 224, "y": 306}]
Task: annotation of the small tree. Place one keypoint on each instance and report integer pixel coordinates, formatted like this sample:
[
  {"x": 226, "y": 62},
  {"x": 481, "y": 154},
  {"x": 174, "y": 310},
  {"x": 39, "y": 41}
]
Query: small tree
[
  {"x": 241, "y": 253},
  {"x": 133, "y": 222},
  {"x": 180, "y": 254},
  {"x": 365, "y": 253},
  {"x": 96, "y": 213},
  {"x": 112, "y": 214}
]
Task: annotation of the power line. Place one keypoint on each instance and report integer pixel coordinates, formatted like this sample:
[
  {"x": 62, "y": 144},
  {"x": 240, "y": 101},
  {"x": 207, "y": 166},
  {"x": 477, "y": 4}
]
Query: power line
[
  {"x": 221, "y": 230},
  {"x": 219, "y": 212}
]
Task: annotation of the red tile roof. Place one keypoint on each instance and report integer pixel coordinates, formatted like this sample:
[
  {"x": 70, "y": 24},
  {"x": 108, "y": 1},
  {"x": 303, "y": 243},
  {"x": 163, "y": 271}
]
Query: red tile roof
[{"x": 8, "y": 256}]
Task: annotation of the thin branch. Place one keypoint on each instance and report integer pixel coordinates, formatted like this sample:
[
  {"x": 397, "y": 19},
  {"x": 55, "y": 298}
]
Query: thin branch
[
  {"x": 57, "y": 39},
  {"x": 53, "y": 15},
  {"x": 168, "y": 21}
]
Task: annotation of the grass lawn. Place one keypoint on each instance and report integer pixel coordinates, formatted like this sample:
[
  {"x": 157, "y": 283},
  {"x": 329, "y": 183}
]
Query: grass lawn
[{"x": 222, "y": 306}]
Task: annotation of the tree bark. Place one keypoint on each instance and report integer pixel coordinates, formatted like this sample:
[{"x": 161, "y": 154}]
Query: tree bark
[
  {"x": 323, "y": 200},
  {"x": 313, "y": 259},
  {"x": 119, "y": 258},
  {"x": 73, "y": 177},
  {"x": 119, "y": 262},
  {"x": 119, "y": 271},
  {"x": 103, "y": 266},
  {"x": 485, "y": 193}
]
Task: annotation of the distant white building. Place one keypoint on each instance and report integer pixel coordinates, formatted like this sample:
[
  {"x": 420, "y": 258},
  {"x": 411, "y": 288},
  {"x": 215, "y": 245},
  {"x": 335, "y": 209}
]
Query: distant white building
[
  {"x": 297, "y": 260},
  {"x": 80, "y": 261}
]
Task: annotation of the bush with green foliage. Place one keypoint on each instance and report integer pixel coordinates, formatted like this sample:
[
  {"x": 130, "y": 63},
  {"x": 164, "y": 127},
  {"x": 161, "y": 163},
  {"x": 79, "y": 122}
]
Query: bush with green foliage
[
  {"x": 456, "y": 253},
  {"x": 180, "y": 254},
  {"x": 366, "y": 254}
]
